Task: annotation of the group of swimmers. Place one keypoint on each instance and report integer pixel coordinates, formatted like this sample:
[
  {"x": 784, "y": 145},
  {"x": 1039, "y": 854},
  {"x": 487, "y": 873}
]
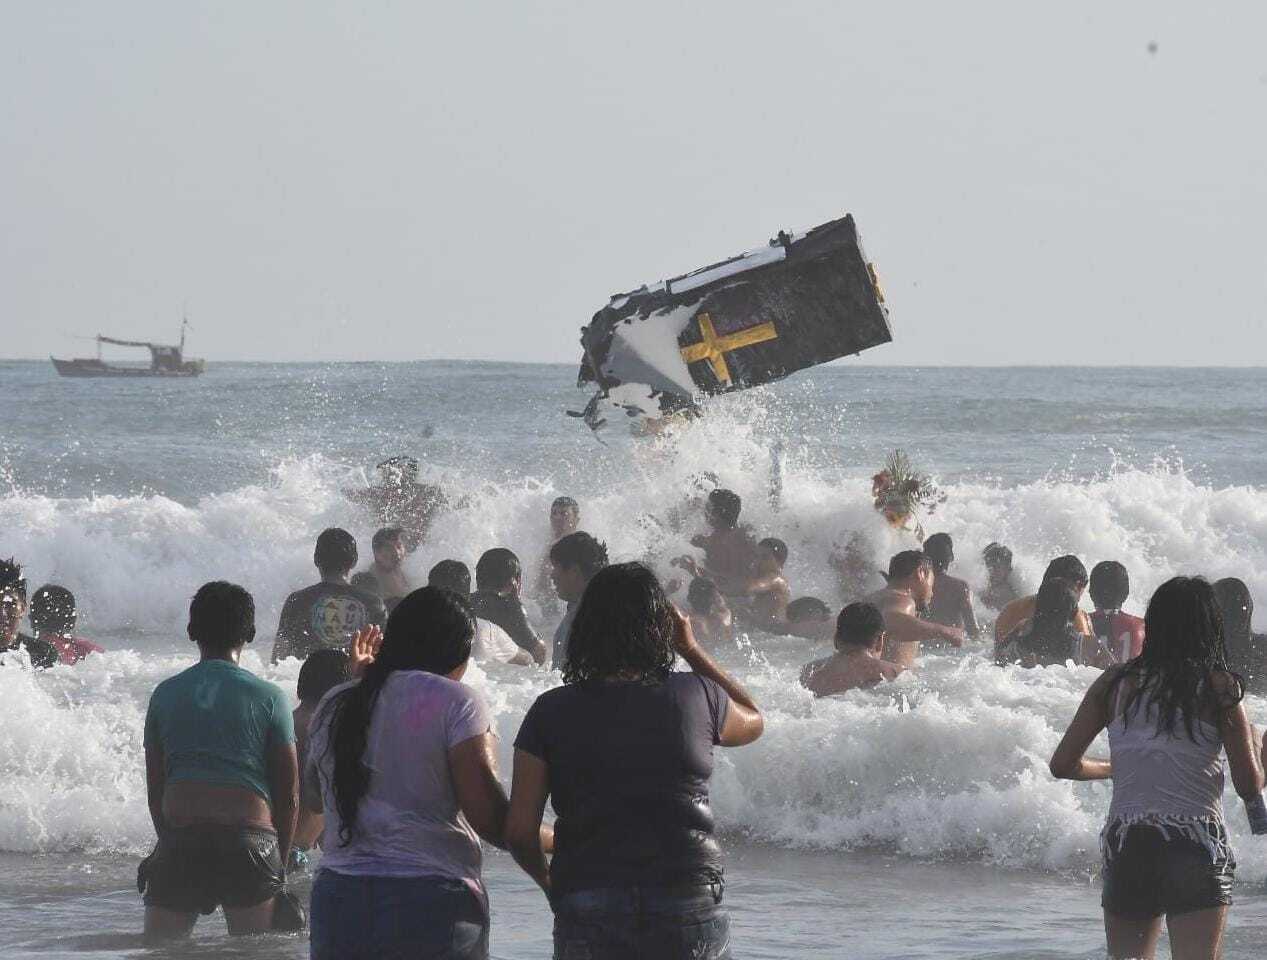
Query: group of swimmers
[{"x": 388, "y": 763}]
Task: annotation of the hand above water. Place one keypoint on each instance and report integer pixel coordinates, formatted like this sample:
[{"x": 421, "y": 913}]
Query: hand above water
[{"x": 364, "y": 649}]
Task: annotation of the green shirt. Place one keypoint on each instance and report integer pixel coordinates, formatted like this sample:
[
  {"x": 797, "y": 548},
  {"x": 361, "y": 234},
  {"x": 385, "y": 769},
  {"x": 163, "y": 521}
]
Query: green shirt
[{"x": 215, "y": 723}]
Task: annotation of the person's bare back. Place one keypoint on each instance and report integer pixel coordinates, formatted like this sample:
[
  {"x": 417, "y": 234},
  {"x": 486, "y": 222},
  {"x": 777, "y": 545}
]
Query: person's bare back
[{"x": 849, "y": 670}]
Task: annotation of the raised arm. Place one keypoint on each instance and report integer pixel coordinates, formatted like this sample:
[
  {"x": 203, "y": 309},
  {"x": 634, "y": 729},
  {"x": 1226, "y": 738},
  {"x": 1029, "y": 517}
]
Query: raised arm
[
  {"x": 743, "y": 723},
  {"x": 1069, "y": 761},
  {"x": 909, "y": 628}
]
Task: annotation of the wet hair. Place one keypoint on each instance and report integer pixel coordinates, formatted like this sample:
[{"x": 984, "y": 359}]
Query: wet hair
[
  {"x": 11, "y": 577},
  {"x": 430, "y": 630},
  {"x": 858, "y": 625},
  {"x": 385, "y": 535},
  {"x": 1243, "y": 648},
  {"x": 997, "y": 555},
  {"x": 336, "y": 552},
  {"x": 53, "y": 608},
  {"x": 365, "y": 581},
  {"x": 452, "y": 575},
  {"x": 724, "y": 506},
  {"x": 776, "y": 547},
  {"x": 1236, "y": 605},
  {"x": 323, "y": 671},
  {"x": 580, "y": 550},
  {"x": 221, "y": 616},
  {"x": 906, "y": 564},
  {"x": 1110, "y": 585},
  {"x": 703, "y": 595},
  {"x": 497, "y": 569},
  {"x": 1185, "y": 649},
  {"x": 623, "y": 627},
  {"x": 1054, "y": 611},
  {"x": 807, "y": 608},
  {"x": 1068, "y": 568},
  {"x": 940, "y": 550},
  {"x": 564, "y": 503}
]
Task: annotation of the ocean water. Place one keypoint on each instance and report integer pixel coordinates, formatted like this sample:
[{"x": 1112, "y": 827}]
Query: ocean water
[{"x": 850, "y": 817}]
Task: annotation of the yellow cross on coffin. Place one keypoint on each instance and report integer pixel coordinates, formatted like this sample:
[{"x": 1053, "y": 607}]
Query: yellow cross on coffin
[{"x": 714, "y": 348}]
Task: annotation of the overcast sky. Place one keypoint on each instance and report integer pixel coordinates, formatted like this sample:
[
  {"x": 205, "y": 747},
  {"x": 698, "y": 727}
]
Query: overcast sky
[{"x": 412, "y": 180}]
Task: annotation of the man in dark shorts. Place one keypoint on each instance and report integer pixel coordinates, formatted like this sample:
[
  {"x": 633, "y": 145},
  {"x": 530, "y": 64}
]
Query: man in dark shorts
[
  {"x": 223, "y": 782},
  {"x": 498, "y": 581},
  {"x": 327, "y": 614},
  {"x": 12, "y": 609},
  {"x": 951, "y": 605}
]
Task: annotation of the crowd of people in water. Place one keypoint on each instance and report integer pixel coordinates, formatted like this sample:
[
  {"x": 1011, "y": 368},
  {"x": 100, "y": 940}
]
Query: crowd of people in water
[{"x": 388, "y": 763}]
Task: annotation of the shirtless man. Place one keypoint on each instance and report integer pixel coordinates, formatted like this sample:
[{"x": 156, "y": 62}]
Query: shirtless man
[
  {"x": 858, "y": 660},
  {"x": 767, "y": 590},
  {"x": 565, "y": 519},
  {"x": 401, "y": 500},
  {"x": 730, "y": 554},
  {"x": 388, "y": 567},
  {"x": 999, "y": 592},
  {"x": 952, "y": 598},
  {"x": 910, "y": 589},
  {"x": 711, "y": 619}
]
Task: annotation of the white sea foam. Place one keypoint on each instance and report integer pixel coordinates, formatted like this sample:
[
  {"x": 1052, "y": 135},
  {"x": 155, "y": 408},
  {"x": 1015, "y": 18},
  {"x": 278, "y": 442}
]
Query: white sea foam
[{"x": 963, "y": 775}]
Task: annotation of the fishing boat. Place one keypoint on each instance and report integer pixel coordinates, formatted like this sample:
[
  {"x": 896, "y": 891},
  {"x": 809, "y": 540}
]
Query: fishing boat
[{"x": 166, "y": 360}]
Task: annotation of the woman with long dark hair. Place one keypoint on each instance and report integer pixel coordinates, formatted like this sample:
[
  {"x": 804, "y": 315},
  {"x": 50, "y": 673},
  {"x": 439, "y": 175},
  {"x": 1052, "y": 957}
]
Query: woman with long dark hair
[
  {"x": 1052, "y": 635},
  {"x": 1171, "y": 713},
  {"x": 1246, "y": 650},
  {"x": 625, "y": 751},
  {"x": 402, "y": 764}
]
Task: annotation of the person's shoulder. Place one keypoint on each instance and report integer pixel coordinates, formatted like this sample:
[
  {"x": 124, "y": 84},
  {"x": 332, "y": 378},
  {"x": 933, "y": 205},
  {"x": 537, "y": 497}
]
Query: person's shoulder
[{"x": 957, "y": 585}]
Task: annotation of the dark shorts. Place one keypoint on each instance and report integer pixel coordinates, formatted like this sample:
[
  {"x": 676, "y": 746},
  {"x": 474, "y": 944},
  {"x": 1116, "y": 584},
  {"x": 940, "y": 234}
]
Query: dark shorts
[
  {"x": 395, "y": 918},
  {"x": 1155, "y": 873},
  {"x": 198, "y": 868},
  {"x": 631, "y": 923}
]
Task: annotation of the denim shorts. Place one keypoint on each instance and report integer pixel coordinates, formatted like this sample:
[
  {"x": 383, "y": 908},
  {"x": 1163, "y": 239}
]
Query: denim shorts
[
  {"x": 394, "y": 918},
  {"x": 640, "y": 923}
]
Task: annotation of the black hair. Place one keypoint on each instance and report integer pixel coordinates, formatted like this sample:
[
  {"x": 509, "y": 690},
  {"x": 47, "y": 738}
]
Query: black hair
[
  {"x": 997, "y": 555},
  {"x": 1068, "y": 568},
  {"x": 807, "y": 608},
  {"x": 497, "y": 569},
  {"x": 1054, "y": 610},
  {"x": 1237, "y": 606},
  {"x": 430, "y": 630},
  {"x": 1110, "y": 585},
  {"x": 324, "y": 670},
  {"x": 1184, "y": 650},
  {"x": 221, "y": 616},
  {"x": 565, "y": 503},
  {"x": 725, "y": 506},
  {"x": 53, "y": 608},
  {"x": 366, "y": 581},
  {"x": 452, "y": 575},
  {"x": 335, "y": 553},
  {"x": 580, "y": 550},
  {"x": 11, "y": 577},
  {"x": 906, "y": 564},
  {"x": 940, "y": 550},
  {"x": 776, "y": 547},
  {"x": 703, "y": 594},
  {"x": 858, "y": 625},
  {"x": 623, "y": 628},
  {"x": 384, "y": 536}
]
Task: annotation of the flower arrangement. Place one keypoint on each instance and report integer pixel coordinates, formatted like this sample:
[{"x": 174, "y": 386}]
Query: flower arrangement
[{"x": 900, "y": 491}]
